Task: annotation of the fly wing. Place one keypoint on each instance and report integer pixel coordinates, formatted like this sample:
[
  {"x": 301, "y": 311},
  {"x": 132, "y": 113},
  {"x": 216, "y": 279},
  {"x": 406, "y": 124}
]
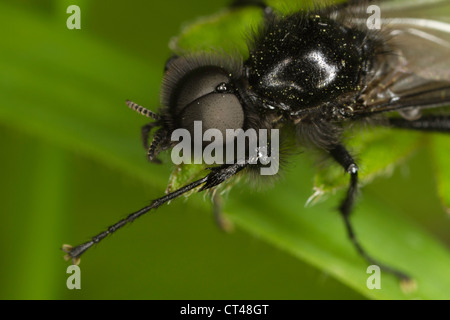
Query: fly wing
[{"x": 415, "y": 74}]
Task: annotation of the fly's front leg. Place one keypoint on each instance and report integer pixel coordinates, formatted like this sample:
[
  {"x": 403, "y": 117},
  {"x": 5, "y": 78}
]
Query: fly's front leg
[
  {"x": 153, "y": 148},
  {"x": 145, "y": 133},
  {"x": 343, "y": 157}
]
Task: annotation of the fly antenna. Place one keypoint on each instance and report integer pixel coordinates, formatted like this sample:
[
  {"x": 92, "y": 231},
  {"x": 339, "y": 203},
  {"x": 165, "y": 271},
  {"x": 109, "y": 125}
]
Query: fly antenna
[
  {"x": 144, "y": 111},
  {"x": 74, "y": 253}
]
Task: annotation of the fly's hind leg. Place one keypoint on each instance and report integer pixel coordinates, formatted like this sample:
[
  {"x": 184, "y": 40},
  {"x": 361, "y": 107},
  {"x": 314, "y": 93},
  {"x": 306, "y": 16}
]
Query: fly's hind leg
[{"x": 340, "y": 154}]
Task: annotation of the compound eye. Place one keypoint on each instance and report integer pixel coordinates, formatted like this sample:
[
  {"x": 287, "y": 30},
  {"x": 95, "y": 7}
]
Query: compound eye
[
  {"x": 196, "y": 84},
  {"x": 219, "y": 111}
]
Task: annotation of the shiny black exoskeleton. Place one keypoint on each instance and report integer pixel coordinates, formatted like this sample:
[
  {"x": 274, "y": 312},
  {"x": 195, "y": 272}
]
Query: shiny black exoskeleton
[{"x": 307, "y": 61}]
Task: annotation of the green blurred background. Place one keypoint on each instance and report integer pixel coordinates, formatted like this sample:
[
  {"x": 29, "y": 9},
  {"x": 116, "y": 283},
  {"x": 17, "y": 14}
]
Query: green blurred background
[{"x": 57, "y": 188}]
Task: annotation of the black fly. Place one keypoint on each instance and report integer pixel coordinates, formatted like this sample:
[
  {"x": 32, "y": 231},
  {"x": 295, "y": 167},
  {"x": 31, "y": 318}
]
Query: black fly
[{"x": 314, "y": 73}]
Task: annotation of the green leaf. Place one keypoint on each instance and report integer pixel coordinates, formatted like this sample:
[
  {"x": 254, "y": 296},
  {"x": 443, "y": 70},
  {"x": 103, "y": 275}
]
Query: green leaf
[
  {"x": 441, "y": 152},
  {"x": 202, "y": 35},
  {"x": 184, "y": 174},
  {"x": 77, "y": 102}
]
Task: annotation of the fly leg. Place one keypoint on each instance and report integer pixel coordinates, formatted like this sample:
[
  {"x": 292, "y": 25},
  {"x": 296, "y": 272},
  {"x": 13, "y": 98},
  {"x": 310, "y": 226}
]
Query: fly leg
[
  {"x": 154, "y": 148},
  {"x": 343, "y": 157},
  {"x": 145, "y": 132},
  {"x": 159, "y": 136}
]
